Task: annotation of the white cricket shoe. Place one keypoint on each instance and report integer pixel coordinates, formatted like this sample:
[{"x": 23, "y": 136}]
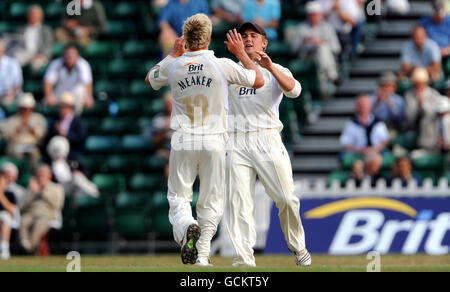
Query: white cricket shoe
[
  {"x": 203, "y": 262},
  {"x": 5, "y": 255},
  {"x": 303, "y": 259}
]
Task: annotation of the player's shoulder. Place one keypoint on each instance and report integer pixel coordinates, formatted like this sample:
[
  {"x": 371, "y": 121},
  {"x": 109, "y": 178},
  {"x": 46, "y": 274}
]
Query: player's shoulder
[{"x": 227, "y": 61}]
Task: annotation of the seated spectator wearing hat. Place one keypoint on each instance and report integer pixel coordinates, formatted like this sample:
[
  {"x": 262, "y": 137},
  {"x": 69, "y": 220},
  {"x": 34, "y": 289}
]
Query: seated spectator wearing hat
[
  {"x": 318, "y": 41},
  {"x": 421, "y": 52},
  {"x": 387, "y": 105},
  {"x": 12, "y": 174},
  {"x": 7, "y": 210},
  {"x": 70, "y": 126},
  {"x": 438, "y": 27},
  {"x": 74, "y": 181},
  {"x": 44, "y": 202},
  {"x": 73, "y": 74},
  {"x": 10, "y": 76},
  {"x": 365, "y": 134},
  {"x": 24, "y": 131},
  {"x": 421, "y": 115}
]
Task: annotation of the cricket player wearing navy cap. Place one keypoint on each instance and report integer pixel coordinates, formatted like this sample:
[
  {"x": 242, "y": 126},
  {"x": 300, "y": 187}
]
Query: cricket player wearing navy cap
[{"x": 256, "y": 149}]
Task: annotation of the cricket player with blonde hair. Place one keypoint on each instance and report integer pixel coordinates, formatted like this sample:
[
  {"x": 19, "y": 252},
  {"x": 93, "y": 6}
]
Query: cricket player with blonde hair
[
  {"x": 199, "y": 82},
  {"x": 256, "y": 149}
]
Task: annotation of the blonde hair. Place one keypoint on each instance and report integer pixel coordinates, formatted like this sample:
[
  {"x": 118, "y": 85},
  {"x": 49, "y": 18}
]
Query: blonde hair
[{"x": 197, "y": 31}]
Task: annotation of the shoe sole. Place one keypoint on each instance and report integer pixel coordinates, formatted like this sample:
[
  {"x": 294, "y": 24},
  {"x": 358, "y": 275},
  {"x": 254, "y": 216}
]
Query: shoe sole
[{"x": 189, "y": 253}]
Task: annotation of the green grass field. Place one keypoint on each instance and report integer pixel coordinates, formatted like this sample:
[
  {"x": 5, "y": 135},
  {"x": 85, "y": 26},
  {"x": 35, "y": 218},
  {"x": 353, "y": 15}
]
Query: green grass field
[{"x": 171, "y": 263}]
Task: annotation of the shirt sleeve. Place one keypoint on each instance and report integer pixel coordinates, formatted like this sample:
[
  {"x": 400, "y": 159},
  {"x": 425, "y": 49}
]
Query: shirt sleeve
[
  {"x": 18, "y": 77},
  {"x": 436, "y": 55},
  {"x": 275, "y": 10},
  {"x": 85, "y": 72},
  {"x": 406, "y": 54},
  {"x": 380, "y": 134},
  {"x": 247, "y": 14},
  {"x": 346, "y": 138},
  {"x": 51, "y": 76},
  {"x": 165, "y": 13},
  {"x": 206, "y": 9},
  {"x": 159, "y": 75},
  {"x": 236, "y": 74},
  {"x": 294, "y": 93}
]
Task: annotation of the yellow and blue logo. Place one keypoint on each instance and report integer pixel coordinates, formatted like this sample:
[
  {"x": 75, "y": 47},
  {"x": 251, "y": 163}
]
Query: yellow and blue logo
[{"x": 360, "y": 203}]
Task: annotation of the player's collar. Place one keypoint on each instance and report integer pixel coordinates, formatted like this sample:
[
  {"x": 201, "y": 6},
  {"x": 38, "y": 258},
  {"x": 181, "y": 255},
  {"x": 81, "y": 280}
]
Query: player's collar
[{"x": 198, "y": 53}]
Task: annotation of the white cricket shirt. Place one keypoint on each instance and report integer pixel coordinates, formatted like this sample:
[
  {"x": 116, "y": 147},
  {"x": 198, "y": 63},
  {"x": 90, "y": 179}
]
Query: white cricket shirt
[
  {"x": 199, "y": 83},
  {"x": 253, "y": 110}
]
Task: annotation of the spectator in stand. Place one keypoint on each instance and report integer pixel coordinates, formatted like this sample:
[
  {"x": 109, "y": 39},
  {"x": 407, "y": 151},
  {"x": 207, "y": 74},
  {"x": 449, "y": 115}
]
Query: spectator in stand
[
  {"x": 74, "y": 181},
  {"x": 12, "y": 174},
  {"x": 35, "y": 47},
  {"x": 228, "y": 11},
  {"x": 7, "y": 209},
  {"x": 438, "y": 27},
  {"x": 318, "y": 41},
  {"x": 70, "y": 126},
  {"x": 265, "y": 13},
  {"x": 423, "y": 52},
  {"x": 348, "y": 18},
  {"x": 369, "y": 169},
  {"x": 73, "y": 74},
  {"x": 45, "y": 201},
  {"x": 387, "y": 105},
  {"x": 173, "y": 16},
  {"x": 403, "y": 170},
  {"x": 87, "y": 26},
  {"x": 160, "y": 132},
  {"x": 443, "y": 110},
  {"x": 11, "y": 79},
  {"x": 365, "y": 134},
  {"x": 24, "y": 131},
  {"x": 421, "y": 115}
]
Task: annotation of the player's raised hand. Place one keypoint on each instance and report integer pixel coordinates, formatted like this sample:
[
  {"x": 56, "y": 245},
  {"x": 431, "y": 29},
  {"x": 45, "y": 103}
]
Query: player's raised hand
[
  {"x": 179, "y": 47},
  {"x": 235, "y": 44},
  {"x": 264, "y": 60}
]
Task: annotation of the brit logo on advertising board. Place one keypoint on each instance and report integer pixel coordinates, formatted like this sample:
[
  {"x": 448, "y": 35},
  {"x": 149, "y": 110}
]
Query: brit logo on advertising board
[{"x": 358, "y": 225}]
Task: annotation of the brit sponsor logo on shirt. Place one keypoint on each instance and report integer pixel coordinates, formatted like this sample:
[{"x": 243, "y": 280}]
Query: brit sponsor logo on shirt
[
  {"x": 244, "y": 91},
  {"x": 194, "y": 67}
]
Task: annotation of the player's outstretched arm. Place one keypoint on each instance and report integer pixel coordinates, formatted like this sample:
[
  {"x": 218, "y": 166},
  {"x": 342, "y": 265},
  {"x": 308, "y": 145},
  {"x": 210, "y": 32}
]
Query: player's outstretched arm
[
  {"x": 287, "y": 83},
  {"x": 235, "y": 45}
]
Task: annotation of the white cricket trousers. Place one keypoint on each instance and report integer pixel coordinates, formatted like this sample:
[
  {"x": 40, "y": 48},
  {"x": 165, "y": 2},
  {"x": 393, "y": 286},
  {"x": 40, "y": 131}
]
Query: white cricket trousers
[
  {"x": 203, "y": 156},
  {"x": 261, "y": 154}
]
